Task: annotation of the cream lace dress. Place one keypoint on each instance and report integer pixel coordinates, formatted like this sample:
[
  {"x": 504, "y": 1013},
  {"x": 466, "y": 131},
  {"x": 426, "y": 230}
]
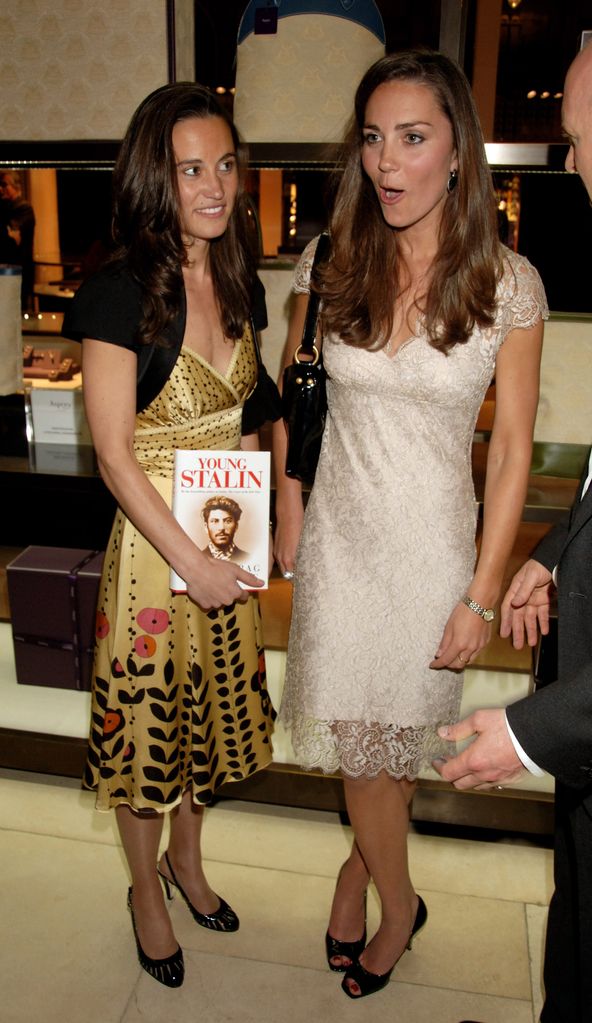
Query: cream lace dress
[{"x": 388, "y": 544}]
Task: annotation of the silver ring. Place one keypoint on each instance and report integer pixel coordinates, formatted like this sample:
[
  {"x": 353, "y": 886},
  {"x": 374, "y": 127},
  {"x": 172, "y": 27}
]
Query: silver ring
[
  {"x": 461, "y": 659},
  {"x": 499, "y": 788},
  {"x": 288, "y": 575}
]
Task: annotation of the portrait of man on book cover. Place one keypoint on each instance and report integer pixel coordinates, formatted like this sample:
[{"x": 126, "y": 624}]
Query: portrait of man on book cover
[{"x": 221, "y": 516}]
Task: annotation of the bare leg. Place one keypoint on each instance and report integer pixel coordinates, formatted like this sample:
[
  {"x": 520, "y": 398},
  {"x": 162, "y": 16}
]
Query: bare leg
[
  {"x": 185, "y": 855},
  {"x": 378, "y": 809},
  {"x": 140, "y": 835},
  {"x": 346, "y": 922}
]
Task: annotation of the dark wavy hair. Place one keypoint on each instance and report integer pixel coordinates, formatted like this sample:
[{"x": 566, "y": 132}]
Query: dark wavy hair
[
  {"x": 146, "y": 222},
  {"x": 356, "y": 304},
  {"x": 224, "y": 504}
]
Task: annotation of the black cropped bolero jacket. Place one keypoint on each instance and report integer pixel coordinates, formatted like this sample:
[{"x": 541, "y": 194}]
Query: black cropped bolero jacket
[{"x": 108, "y": 306}]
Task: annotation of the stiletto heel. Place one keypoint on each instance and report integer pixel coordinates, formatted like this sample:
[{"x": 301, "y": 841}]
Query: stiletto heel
[
  {"x": 351, "y": 950},
  {"x": 368, "y": 982},
  {"x": 169, "y": 971},
  {"x": 167, "y": 888},
  {"x": 420, "y": 919},
  {"x": 224, "y": 919}
]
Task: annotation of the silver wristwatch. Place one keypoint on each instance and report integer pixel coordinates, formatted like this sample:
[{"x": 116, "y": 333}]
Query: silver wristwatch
[{"x": 487, "y": 613}]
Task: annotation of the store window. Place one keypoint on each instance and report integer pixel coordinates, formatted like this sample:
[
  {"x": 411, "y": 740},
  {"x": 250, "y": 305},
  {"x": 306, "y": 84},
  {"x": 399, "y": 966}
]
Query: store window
[{"x": 537, "y": 43}]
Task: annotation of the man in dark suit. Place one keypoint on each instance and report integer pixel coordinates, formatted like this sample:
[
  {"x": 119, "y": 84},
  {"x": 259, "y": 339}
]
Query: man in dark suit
[{"x": 552, "y": 729}]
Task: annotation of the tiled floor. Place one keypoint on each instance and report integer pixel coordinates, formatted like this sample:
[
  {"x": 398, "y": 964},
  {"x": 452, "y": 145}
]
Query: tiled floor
[{"x": 68, "y": 951}]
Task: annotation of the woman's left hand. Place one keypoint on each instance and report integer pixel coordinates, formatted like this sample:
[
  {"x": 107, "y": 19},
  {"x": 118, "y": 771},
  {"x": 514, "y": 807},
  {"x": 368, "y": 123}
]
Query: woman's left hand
[{"x": 464, "y": 636}]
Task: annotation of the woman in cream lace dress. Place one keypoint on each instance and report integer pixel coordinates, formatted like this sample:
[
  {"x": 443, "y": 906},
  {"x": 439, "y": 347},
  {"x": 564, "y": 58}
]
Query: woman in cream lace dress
[{"x": 420, "y": 306}]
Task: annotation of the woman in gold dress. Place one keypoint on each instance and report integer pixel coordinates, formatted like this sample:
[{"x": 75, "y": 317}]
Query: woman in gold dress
[{"x": 180, "y": 703}]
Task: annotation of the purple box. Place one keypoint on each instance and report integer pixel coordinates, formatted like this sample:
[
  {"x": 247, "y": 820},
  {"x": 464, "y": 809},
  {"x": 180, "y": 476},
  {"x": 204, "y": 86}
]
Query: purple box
[{"x": 53, "y": 597}]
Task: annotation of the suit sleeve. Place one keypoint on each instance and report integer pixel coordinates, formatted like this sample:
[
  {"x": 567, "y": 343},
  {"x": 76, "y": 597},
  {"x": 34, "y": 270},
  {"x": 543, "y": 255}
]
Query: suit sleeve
[
  {"x": 554, "y": 727},
  {"x": 548, "y": 551}
]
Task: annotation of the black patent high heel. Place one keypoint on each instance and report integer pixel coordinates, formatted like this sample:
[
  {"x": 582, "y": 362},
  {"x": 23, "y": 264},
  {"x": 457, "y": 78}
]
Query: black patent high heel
[
  {"x": 169, "y": 971},
  {"x": 224, "y": 919},
  {"x": 368, "y": 982},
  {"x": 351, "y": 950}
]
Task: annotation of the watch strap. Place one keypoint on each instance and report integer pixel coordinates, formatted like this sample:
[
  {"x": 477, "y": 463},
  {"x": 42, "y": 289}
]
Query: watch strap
[{"x": 487, "y": 613}]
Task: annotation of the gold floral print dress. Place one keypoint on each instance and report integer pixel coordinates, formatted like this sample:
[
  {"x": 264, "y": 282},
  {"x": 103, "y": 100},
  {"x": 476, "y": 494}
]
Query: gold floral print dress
[{"x": 179, "y": 695}]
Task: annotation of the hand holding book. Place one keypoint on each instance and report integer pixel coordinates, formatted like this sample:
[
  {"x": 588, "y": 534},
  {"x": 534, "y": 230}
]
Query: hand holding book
[
  {"x": 219, "y": 583},
  {"x": 221, "y": 499}
]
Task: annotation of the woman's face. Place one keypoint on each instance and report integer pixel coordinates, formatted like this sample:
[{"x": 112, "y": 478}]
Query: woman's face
[
  {"x": 408, "y": 153},
  {"x": 207, "y": 177}
]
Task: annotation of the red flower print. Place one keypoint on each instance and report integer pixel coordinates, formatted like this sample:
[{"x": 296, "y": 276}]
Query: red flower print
[
  {"x": 102, "y": 625},
  {"x": 114, "y": 720},
  {"x": 153, "y": 620},
  {"x": 145, "y": 646}
]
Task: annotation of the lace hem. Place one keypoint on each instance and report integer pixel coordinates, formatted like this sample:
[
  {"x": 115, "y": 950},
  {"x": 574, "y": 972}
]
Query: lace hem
[{"x": 361, "y": 749}]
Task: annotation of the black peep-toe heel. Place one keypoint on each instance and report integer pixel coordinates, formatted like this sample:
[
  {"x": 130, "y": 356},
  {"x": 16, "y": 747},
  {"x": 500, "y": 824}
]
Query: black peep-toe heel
[
  {"x": 169, "y": 971},
  {"x": 224, "y": 919},
  {"x": 368, "y": 982}
]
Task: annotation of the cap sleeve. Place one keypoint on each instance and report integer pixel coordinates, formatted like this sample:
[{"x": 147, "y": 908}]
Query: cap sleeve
[
  {"x": 522, "y": 299},
  {"x": 107, "y": 306}
]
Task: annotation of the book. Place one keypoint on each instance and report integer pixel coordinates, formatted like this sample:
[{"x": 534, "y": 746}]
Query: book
[{"x": 221, "y": 499}]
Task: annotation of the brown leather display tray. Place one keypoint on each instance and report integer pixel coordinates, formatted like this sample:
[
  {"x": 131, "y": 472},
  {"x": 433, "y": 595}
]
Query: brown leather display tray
[{"x": 47, "y": 364}]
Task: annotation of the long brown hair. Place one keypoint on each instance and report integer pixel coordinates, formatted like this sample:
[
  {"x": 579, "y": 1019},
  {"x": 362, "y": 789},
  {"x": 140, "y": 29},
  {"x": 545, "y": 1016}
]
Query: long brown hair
[
  {"x": 356, "y": 304},
  {"x": 146, "y": 223}
]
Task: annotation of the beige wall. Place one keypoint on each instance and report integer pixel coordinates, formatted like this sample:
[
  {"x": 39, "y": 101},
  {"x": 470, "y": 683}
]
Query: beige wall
[
  {"x": 565, "y": 406},
  {"x": 278, "y": 290},
  {"x": 77, "y": 69}
]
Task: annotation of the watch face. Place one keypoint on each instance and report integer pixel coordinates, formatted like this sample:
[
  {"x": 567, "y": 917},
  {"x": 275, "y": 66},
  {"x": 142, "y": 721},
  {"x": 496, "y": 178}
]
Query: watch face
[{"x": 489, "y": 615}]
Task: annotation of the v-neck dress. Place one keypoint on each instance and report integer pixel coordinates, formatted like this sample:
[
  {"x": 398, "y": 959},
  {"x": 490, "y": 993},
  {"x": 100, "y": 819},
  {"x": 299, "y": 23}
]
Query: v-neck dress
[
  {"x": 388, "y": 542},
  {"x": 179, "y": 697}
]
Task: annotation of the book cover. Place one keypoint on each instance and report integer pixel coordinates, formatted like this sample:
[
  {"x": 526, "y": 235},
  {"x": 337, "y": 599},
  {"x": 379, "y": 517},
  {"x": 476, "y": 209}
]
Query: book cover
[{"x": 221, "y": 499}]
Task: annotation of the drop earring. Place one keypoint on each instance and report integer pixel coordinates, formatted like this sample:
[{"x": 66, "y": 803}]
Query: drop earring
[{"x": 452, "y": 181}]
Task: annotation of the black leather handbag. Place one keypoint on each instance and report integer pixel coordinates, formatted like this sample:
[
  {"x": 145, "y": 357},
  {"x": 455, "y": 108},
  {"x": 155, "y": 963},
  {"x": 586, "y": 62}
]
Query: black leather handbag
[{"x": 304, "y": 395}]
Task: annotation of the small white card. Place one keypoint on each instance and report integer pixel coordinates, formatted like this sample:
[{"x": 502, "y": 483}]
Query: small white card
[{"x": 58, "y": 416}]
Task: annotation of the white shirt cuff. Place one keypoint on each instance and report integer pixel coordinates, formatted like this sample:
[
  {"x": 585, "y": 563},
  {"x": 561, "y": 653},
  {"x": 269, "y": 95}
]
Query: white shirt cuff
[{"x": 525, "y": 759}]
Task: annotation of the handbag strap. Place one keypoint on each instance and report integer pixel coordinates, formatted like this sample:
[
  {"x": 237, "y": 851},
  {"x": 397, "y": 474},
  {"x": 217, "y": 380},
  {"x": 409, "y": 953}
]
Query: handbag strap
[{"x": 307, "y": 345}]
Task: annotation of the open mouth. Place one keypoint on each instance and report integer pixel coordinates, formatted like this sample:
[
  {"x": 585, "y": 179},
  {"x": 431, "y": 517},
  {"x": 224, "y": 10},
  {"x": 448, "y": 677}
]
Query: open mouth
[{"x": 391, "y": 195}]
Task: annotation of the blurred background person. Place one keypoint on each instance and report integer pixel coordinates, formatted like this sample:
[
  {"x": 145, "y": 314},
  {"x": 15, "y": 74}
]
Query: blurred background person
[{"x": 19, "y": 217}]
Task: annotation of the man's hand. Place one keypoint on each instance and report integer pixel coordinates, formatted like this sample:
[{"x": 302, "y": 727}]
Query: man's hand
[
  {"x": 525, "y": 607},
  {"x": 489, "y": 760}
]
